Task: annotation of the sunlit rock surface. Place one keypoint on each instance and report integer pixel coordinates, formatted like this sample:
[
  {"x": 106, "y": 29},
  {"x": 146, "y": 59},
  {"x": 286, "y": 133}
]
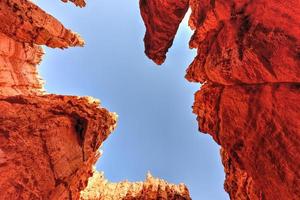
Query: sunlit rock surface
[
  {"x": 80, "y": 3},
  {"x": 23, "y": 21},
  {"x": 49, "y": 143},
  {"x": 248, "y": 62},
  {"x": 152, "y": 188},
  {"x": 18, "y": 72}
]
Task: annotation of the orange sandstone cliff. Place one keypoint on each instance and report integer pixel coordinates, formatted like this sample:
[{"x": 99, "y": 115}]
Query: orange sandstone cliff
[
  {"x": 248, "y": 62},
  {"x": 49, "y": 143}
]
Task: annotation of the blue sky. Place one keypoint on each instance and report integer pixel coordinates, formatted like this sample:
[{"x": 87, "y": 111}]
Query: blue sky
[{"x": 156, "y": 129}]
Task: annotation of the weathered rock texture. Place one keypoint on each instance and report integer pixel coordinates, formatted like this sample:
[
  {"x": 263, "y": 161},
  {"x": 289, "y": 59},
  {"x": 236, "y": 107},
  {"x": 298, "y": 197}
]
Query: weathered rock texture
[
  {"x": 170, "y": 14},
  {"x": 100, "y": 189},
  {"x": 248, "y": 62},
  {"x": 24, "y": 26},
  {"x": 18, "y": 73},
  {"x": 23, "y": 21},
  {"x": 80, "y": 3},
  {"x": 49, "y": 143}
]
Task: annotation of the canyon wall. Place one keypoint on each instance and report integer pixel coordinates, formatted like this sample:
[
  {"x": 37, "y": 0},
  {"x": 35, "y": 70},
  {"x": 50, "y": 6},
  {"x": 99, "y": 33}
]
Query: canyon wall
[
  {"x": 248, "y": 62},
  {"x": 49, "y": 143}
]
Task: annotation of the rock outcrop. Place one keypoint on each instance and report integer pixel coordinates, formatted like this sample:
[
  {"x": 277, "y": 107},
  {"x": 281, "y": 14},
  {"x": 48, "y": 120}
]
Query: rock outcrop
[
  {"x": 248, "y": 62},
  {"x": 80, "y": 3},
  {"x": 18, "y": 72},
  {"x": 100, "y": 189},
  {"x": 49, "y": 143},
  {"x": 24, "y": 26}
]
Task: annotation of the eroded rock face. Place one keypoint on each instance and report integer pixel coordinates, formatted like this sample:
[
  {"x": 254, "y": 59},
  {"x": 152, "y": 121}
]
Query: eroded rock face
[
  {"x": 257, "y": 127},
  {"x": 248, "y": 62},
  {"x": 161, "y": 33},
  {"x": 49, "y": 143},
  {"x": 18, "y": 73},
  {"x": 80, "y": 3},
  {"x": 23, "y": 21},
  {"x": 24, "y": 26},
  {"x": 152, "y": 188}
]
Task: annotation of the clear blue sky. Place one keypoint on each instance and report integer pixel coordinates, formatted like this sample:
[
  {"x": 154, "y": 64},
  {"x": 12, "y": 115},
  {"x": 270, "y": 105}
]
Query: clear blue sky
[{"x": 156, "y": 129}]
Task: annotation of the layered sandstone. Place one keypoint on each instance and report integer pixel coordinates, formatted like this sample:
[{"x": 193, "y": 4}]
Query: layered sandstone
[
  {"x": 24, "y": 26},
  {"x": 25, "y": 22},
  {"x": 18, "y": 72},
  {"x": 49, "y": 143},
  {"x": 248, "y": 62}
]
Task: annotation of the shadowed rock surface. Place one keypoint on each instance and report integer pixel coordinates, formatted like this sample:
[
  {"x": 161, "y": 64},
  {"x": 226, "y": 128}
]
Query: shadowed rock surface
[
  {"x": 49, "y": 143},
  {"x": 248, "y": 62}
]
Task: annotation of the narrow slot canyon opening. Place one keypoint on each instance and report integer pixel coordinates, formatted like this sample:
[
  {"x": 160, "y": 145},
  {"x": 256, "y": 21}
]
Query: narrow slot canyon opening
[
  {"x": 156, "y": 130},
  {"x": 247, "y": 60}
]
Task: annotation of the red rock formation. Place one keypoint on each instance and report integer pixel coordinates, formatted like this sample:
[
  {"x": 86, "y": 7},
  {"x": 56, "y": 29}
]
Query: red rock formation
[
  {"x": 100, "y": 189},
  {"x": 80, "y": 3},
  {"x": 18, "y": 73},
  {"x": 49, "y": 143},
  {"x": 23, "y": 21},
  {"x": 23, "y": 25},
  {"x": 161, "y": 33},
  {"x": 248, "y": 60}
]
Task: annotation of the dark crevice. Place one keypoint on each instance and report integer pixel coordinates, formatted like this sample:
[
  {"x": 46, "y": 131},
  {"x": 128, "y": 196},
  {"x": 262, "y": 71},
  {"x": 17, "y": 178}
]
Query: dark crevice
[
  {"x": 244, "y": 28},
  {"x": 80, "y": 125},
  {"x": 80, "y": 128}
]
